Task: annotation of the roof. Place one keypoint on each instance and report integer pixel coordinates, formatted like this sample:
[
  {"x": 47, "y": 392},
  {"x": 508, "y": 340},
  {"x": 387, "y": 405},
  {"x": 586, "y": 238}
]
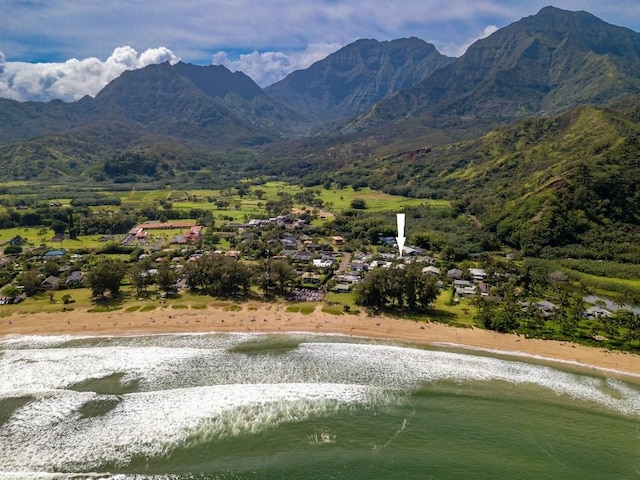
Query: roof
[
  {"x": 431, "y": 270},
  {"x": 51, "y": 281},
  {"x": 55, "y": 253},
  {"x": 76, "y": 275}
]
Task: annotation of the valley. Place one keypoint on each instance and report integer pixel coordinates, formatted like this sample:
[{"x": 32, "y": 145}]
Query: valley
[{"x": 518, "y": 159}]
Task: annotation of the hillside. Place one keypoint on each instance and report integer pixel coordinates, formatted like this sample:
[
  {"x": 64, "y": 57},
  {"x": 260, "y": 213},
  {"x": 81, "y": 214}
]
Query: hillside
[
  {"x": 534, "y": 133},
  {"x": 357, "y": 76},
  {"x": 541, "y": 65},
  {"x": 207, "y": 105},
  {"x": 537, "y": 183}
]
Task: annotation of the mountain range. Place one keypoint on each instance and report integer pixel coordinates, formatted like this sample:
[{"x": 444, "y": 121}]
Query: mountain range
[
  {"x": 544, "y": 64},
  {"x": 396, "y": 115}
]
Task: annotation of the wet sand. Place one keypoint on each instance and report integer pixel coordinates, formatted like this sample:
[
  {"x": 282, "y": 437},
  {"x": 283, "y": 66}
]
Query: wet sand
[{"x": 262, "y": 317}]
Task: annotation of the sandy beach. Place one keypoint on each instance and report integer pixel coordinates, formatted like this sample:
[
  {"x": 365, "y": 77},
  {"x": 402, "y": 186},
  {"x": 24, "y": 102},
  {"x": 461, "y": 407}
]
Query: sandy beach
[{"x": 261, "y": 317}]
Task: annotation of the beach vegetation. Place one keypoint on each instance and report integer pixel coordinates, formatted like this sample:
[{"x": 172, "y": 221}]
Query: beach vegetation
[
  {"x": 301, "y": 307},
  {"x": 397, "y": 289},
  {"x": 333, "y": 310},
  {"x": 106, "y": 276}
]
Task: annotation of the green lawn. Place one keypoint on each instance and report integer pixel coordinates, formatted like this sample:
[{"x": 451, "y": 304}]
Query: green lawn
[
  {"x": 458, "y": 313},
  {"x": 340, "y": 200},
  {"x": 34, "y": 239}
]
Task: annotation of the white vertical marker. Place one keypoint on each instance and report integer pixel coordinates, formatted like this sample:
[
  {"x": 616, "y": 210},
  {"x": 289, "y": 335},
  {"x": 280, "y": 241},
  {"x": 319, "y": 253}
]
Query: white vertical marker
[{"x": 400, "y": 238}]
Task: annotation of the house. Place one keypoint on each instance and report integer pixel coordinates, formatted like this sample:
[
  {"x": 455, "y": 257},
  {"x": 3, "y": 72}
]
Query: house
[
  {"x": 51, "y": 254},
  {"x": 431, "y": 270},
  {"x": 349, "y": 278},
  {"x": 310, "y": 245},
  {"x": 466, "y": 291},
  {"x": 322, "y": 263},
  {"x": 464, "y": 288},
  {"x": 546, "y": 307},
  {"x": 478, "y": 274},
  {"x": 302, "y": 257},
  {"x": 454, "y": 274},
  {"x": 379, "y": 263},
  {"x": 288, "y": 243},
  {"x": 311, "y": 279},
  {"x": 412, "y": 251},
  {"x": 194, "y": 235},
  {"x": 338, "y": 240},
  {"x": 484, "y": 289},
  {"x": 358, "y": 267},
  {"x": 342, "y": 288},
  {"x": 51, "y": 283},
  {"x": 17, "y": 241},
  {"x": 74, "y": 279},
  {"x": 596, "y": 312},
  {"x": 425, "y": 259}
]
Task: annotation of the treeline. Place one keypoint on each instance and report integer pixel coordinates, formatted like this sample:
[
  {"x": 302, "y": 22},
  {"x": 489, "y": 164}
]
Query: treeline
[
  {"x": 441, "y": 231},
  {"x": 565, "y": 320},
  {"x": 398, "y": 288},
  {"x": 218, "y": 275},
  {"x": 130, "y": 166},
  {"x": 81, "y": 220},
  {"x": 211, "y": 274}
]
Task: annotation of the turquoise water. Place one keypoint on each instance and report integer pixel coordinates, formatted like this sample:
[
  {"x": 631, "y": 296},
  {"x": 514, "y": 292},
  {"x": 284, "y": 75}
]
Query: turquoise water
[{"x": 250, "y": 406}]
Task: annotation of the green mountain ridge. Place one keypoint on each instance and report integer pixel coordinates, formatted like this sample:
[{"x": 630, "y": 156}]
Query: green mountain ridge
[
  {"x": 539, "y": 183},
  {"x": 534, "y": 133},
  {"x": 541, "y": 65},
  {"x": 357, "y": 76}
]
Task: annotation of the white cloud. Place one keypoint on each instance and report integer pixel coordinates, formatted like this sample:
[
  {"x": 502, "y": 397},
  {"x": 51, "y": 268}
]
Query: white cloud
[
  {"x": 266, "y": 68},
  {"x": 457, "y": 50},
  {"x": 73, "y": 79}
]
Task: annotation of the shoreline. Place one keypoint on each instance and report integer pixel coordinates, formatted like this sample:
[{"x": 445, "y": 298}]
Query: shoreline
[{"x": 257, "y": 317}]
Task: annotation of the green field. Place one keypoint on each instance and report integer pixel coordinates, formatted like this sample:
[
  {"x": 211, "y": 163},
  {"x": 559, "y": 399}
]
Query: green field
[
  {"x": 34, "y": 239},
  {"x": 240, "y": 208},
  {"x": 340, "y": 200}
]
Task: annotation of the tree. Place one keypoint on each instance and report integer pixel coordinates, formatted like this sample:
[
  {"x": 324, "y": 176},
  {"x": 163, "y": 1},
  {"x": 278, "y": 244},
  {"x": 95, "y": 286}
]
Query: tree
[
  {"x": 399, "y": 288},
  {"x": 52, "y": 267},
  {"x": 569, "y": 313},
  {"x": 274, "y": 277},
  {"x": 12, "y": 250},
  {"x": 139, "y": 277},
  {"x": 106, "y": 276},
  {"x": 166, "y": 278},
  {"x": 218, "y": 275},
  {"x": 371, "y": 292},
  {"x": 31, "y": 282},
  {"x": 11, "y": 291},
  {"x": 358, "y": 204}
]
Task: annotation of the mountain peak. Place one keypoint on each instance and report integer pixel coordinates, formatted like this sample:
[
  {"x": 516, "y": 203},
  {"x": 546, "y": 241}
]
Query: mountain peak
[
  {"x": 542, "y": 64},
  {"x": 219, "y": 81},
  {"x": 355, "y": 77}
]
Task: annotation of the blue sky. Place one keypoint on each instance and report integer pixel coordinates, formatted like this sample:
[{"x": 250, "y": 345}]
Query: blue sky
[{"x": 68, "y": 48}]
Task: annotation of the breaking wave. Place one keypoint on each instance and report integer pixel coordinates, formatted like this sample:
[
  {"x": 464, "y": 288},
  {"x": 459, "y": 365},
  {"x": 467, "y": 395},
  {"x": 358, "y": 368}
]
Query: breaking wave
[{"x": 187, "y": 389}]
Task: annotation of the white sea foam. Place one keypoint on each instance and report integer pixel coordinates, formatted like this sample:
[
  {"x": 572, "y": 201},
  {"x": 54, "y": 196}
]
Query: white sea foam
[
  {"x": 29, "y": 371},
  {"x": 399, "y": 367},
  {"x": 49, "y": 433},
  {"x": 193, "y": 388}
]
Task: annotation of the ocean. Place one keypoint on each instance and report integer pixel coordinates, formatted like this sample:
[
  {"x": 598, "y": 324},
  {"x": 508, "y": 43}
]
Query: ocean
[{"x": 303, "y": 406}]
